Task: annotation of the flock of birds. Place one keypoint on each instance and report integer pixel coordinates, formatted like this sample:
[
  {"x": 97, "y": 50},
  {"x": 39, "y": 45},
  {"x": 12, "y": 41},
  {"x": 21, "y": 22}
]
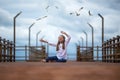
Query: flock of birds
[{"x": 77, "y": 13}]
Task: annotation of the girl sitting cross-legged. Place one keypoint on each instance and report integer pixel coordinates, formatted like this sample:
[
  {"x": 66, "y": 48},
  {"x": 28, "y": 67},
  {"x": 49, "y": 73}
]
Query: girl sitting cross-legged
[{"x": 61, "y": 48}]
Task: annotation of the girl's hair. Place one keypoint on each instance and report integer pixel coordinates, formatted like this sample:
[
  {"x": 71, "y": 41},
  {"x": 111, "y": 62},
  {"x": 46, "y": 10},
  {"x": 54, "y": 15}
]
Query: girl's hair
[{"x": 63, "y": 43}]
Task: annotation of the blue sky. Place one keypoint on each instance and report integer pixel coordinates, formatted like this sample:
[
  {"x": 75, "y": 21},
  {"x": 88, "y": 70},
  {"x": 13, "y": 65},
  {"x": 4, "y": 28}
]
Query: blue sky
[{"x": 59, "y": 19}]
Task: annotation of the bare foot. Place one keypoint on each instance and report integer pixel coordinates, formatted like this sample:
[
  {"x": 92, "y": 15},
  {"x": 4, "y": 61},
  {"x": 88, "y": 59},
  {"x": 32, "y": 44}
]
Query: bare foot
[{"x": 43, "y": 60}]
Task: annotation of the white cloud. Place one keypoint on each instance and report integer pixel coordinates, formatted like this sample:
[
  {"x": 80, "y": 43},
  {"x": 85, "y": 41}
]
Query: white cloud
[
  {"x": 5, "y": 18},
  {"x": 59, "y": 19}
]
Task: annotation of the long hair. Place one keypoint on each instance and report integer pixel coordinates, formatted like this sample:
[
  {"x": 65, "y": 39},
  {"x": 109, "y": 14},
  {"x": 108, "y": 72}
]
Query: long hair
[{"x": 63, "y": 43}]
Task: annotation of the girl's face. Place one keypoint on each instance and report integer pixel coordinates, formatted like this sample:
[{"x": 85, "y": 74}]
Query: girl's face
[{"x": 60, "y": 38}]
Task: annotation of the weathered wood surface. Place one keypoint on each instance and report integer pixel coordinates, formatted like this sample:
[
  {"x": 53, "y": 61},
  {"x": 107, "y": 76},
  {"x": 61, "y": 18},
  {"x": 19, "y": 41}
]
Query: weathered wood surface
[{"x": 59, "y": 71}]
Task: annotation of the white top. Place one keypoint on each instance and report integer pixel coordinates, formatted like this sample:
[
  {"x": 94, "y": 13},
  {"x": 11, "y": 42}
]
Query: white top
[{"x": 62, "y": 53}]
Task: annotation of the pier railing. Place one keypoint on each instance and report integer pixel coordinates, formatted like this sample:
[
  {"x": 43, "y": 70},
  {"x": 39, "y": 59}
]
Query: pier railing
[
  {"x": 111, "y": 50},
  {"x": 32, "y": 53},
  {"x": 6, "y": 51}
]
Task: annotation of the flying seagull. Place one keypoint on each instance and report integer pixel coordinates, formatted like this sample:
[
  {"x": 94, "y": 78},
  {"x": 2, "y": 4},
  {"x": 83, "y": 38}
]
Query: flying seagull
[
  {"x": 77, "y": 14},
  {"x": 44, "y": 17},
  {"x": 81, "y": 8},
  {"x": 89, "y": 13},
  {"x": 47, "y": 7},
  {"x": 41, "y": 18},
  {"x": 71, "y": 13},
  {"x": 56, "y": 7}
]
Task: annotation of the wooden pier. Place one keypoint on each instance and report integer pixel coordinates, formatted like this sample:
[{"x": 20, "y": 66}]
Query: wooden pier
[{"x": 59, "y": 71}]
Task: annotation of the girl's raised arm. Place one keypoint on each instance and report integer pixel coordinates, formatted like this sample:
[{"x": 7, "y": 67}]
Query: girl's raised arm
[
  {"x": 64, "y": 33},
  {"x": 68, "y": 36},
  {"x": 51, "y": 44}
]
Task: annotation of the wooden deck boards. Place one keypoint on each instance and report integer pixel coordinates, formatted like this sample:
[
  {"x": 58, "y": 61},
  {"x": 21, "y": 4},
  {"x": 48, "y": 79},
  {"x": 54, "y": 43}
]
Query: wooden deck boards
[{"x": 59, "y": 71}]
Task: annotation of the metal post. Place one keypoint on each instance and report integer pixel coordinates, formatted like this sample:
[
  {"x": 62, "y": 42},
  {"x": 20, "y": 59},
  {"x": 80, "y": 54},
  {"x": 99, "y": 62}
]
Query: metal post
[
  {"x": 102, "y": 27},
  {"x": 92, "y": 38},
  {"x": 37, "y": 38},
  {"x": 86, "y": 39},
  {"x": 92, "y": 35},
  {"x": 102, "y": 31},
  {"x": 79, "y": 42},
  {"x": 29, "y": 43},
  {"x": 86, "y": 44},
  {"x": 82, "y": 42},
  {"x": 14, "y": 32}
]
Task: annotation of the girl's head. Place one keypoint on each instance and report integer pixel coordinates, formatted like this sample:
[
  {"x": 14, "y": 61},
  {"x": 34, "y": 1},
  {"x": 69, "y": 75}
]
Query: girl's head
[{"x": 61, "y": 39}]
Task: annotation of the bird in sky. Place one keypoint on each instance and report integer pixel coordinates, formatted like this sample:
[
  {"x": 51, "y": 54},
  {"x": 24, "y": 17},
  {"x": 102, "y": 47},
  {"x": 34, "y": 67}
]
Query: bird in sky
[
  {"x": 77, "y": 14},
  {"x": 81, "y": 9},
  {"x": 41, "y": 18},
  {"x": 89, "y": 13},
  {"x": 56, "y": 7},
  {"x": 47, "y": 7},
  {"x": 71, "y": 13}
]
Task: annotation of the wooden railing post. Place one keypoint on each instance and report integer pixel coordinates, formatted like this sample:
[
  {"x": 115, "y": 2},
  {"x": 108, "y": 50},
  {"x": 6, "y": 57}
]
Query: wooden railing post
[
  {"x": 97, "y": 53},
  {"x": 114, "y": 51},
  {"x": 25, "y": 53},
  {"x": 8, "y": 50},
  {"x": 118, "y": 49},
  {"x": 78, "y": 53},
  {"x": 4, "y": 50},
  {"x": 0, "y": 49},
  {"x": 11, "y": 51},
  {"x": 110, "y": 50},
  {"x": 14, "y": 52},
  {"x": 107, "y": 55}
]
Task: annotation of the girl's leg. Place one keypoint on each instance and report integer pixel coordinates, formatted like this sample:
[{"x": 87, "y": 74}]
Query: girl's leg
[
  {"x": 61, "y": 60},
  {"x": 51, "y": 58}
]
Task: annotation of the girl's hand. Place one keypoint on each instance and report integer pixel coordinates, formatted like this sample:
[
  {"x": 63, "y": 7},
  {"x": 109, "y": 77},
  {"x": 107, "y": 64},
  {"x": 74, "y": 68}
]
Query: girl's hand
[
  {"x": 43, "y": 41},
  {"x": 63, "y": 32}
]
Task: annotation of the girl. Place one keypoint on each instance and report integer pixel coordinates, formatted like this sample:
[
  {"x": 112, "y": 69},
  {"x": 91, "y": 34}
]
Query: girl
[{"x": 61, "y": 48}]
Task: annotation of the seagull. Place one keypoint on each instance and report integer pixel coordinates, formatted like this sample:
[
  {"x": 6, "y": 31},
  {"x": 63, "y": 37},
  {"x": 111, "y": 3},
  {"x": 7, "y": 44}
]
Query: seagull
[
  {"x": 77, "y": 14},
  {"x": 71, "y": 13},
  {"x": 38, "y": 19},
  {"x": 44, "y": 17},
  {"x": 89, "y": 13},
  {"x": 41, "y": 18},
  {"x": 81, "y": 8},
  {"x": 47, "y": 8},
  {"x": 56, "y": 7}
]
